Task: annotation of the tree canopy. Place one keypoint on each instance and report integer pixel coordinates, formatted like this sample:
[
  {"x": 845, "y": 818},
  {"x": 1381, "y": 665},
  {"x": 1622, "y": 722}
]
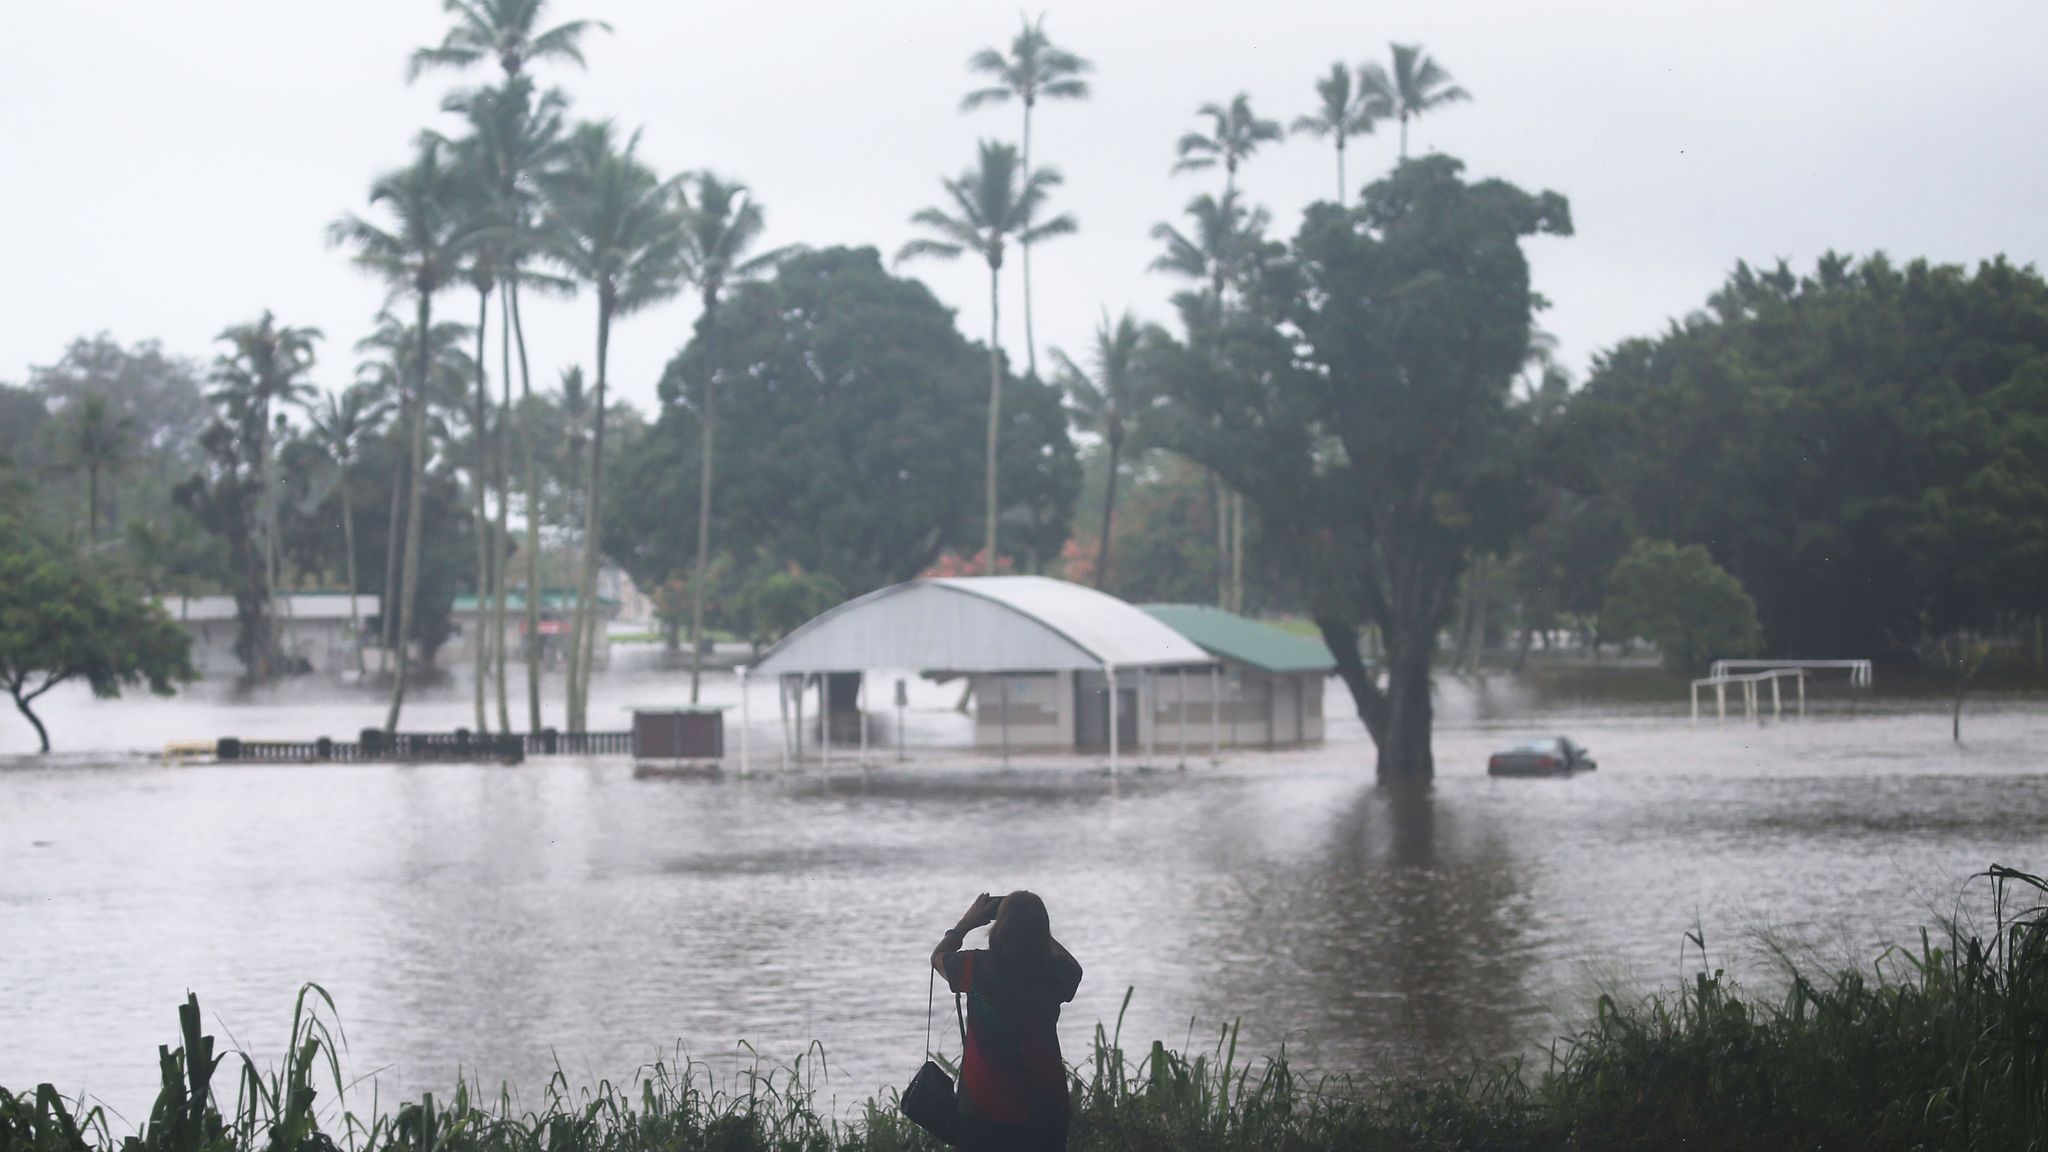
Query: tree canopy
[
  {"x": 1681, "y": 601},
  {"x": 851, "y": 413},
  {"x": 1865, "y": 448}
]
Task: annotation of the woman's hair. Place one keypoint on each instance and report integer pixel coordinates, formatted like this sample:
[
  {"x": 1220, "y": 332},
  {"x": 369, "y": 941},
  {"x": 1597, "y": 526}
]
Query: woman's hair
[{"x": 1022, "y": 928}]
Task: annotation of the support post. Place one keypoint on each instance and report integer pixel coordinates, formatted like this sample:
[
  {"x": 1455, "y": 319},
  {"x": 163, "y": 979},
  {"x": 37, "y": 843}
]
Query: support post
[
  {"x": 1003, "y": 702},
  {"x": 825, "y": 720},
  {"x": 1180, "y": 701},
  {"x": 801, "y": 679},
  {"x": 1802, "y": 693},
  {"x": 1695, "y": 703},
  {"x": 1777, "y": 708},
  {"x": 1721, "y": 701},
  {"x": 901, "y": 697},
  {"x": 744, "y": 716},
  {"x": 782, "y": 703},
  {"x": 1109, "y": 675},
  {"x": 860, "y": 699},
  {"x": 1148, "y": 713},
  {"x": 1215, "y": 714}
]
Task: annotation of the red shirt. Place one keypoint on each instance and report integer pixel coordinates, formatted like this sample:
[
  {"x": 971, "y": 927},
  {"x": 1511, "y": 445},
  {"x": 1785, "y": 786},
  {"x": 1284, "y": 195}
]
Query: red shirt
[{"x": 1012, "y": 1072}]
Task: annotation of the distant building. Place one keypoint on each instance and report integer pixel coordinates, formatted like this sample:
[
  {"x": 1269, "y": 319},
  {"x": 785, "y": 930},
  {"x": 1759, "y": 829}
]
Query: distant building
[
  {"x": 1272, "y": 684},
  {"x": 312, "y": 630},
  {"x": 471, "y": 616}
]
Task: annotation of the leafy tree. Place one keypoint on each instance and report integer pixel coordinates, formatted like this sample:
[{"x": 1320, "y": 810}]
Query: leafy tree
[
  {"x": 339, "y": 425},
  {"x": 846, "y": 446},
  {"x": 1681, "y": 601},
  {"x": 1417, "y": 85},
  {"x": 721, "y": 223},
  {"x": 262, "y": 370},
  {"x": 422, "y": 254},
  {"x": 995, "y": 203},
  {"x": 1361, "y": 399},
  {"x": 507, "y": 31},
  {"x": 612, "y": 224},
  {"x": 1865, "y": 447},
  {"x": 515, "y": 139},
  {"x": 158, "y": 398},
  {"x": 98, "y": 443},
  {"x": 1035, "y": 69},
  {"x": 773, "y": 604},
  {"x": 1235, "y": 133},
  {"x": 1343, "y": 111},
  {"x": 1104, "y": 401},
  {"x": 23, "y": 412},
  {"x": 1560, "y": 566},
  {"x": 64, "y": 617}
]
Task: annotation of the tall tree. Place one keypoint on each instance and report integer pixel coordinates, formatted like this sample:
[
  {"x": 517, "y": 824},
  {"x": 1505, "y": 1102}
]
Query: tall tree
[
  {"x": 1417, "y": 85},
  {"x": 1344, "y": 110},
  {"x": 421, "y": 254},
  {"x": 1034, "y": 69},
  {"x": 339, "y": 422},
  {"x": 994, "y": 203},
  {"x": 519, "y": 138},
  {"x": 263, "y": 370},
  {"x": 100, "y": 443},
  {"x": 1234, "y": 134},
  {"x": 612, "y": 224},
  {"x": 1363, "y": 401},
  {"x": 507, "y": 31},
  {"x": 1104, "y": 400},
  {"x": 721, "y": 223}
]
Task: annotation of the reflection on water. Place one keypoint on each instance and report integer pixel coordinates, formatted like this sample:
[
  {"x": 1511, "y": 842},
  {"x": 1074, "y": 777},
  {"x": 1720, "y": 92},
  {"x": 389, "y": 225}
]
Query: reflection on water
[{"x": 494, "y": 920}]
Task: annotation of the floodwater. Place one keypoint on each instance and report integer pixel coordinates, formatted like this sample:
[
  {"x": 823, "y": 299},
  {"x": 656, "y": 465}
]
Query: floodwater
[{"x": 495, "y": 922}]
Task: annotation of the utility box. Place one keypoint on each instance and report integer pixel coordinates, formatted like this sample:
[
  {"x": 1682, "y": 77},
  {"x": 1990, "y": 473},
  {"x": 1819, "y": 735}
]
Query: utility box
[{"x": 678, "y": 734}]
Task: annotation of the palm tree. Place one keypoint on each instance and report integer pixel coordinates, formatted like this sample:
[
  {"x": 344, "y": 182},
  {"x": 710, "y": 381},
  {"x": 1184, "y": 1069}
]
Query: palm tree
[
  {"x": 1235, "y": 134},
  {"x": 339, "y": 425},
  {"x": 1104, "y": 401},
  {"x": 612, "y": 224},
  {"x": 1342, "y": 114},
  {"x": 1226, "y": 238},
  {"x": 995, "y": 204},
  {"x": 503, "y": 30},
  {"x": 99, "y": 443},
  {"x": 422, "y": 254},
  {"x": 1417, "y": 85},
  {"x": 1033, "y": 70},
  {"x": 515, "y": 137},
  {"x": 720, "y": 223}
]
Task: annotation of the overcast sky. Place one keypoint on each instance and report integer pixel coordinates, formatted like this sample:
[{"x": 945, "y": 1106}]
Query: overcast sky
[{"x": 170, "y": 167}]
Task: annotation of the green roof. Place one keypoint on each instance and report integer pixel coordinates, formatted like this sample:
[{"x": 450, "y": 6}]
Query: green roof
[
  {"x": 550, "y": 599},
  {"x": 1246, "y": 641}
]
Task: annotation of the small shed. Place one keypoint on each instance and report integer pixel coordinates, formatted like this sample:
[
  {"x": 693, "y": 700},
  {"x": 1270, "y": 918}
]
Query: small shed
[{"x": 1272, "y": 690}]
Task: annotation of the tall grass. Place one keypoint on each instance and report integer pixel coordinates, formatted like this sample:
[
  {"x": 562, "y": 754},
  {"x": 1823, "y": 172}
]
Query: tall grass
[{"x": 1943, "y": 1046}]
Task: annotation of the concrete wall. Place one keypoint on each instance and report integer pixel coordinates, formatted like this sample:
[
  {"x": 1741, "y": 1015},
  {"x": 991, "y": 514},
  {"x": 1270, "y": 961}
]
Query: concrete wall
[
  {"x": 1254, "y": 711},
  {"x": 1041, "y": 710}
]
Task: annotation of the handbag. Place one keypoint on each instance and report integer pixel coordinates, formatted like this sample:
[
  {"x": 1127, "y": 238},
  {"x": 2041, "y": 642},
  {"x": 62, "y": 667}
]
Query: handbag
[{"x": 929, "y": 1100}]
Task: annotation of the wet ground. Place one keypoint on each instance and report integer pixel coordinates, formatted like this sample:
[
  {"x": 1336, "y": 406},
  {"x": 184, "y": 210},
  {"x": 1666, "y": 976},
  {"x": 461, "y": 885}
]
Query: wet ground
[{"x": 491, "y": 921}]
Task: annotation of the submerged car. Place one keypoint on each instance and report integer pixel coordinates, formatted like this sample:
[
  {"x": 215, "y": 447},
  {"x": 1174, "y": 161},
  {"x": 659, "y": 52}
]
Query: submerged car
[{"x": 1546, "y": 756}]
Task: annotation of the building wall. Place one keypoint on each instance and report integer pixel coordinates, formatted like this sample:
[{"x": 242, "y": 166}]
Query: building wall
[
  {"x": 325, "y": 645},
  {"x": 1041, "y": 710}
]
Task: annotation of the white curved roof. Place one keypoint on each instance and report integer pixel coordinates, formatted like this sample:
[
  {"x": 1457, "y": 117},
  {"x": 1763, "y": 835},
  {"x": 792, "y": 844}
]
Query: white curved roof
[{"x": 982, "y": 624}]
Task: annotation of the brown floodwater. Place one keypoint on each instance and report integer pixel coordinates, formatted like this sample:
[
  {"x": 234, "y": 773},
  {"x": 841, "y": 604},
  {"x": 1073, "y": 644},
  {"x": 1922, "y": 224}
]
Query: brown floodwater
[{"x": 493, "y": 922}]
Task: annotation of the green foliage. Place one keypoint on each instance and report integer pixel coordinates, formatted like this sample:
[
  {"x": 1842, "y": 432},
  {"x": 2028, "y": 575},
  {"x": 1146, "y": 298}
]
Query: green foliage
[
  {"x": 65, "y": 618},
  {"x": 1379, "y": 445},
  {"x": 850, "y": 414},
  {"x": 1681, "y": 601},
  {"x": 1865, "y": 447}
]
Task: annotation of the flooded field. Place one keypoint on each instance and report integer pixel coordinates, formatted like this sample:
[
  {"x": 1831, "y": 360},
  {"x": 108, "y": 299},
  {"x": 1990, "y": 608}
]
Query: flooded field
[{"x": 494, "y": 922}]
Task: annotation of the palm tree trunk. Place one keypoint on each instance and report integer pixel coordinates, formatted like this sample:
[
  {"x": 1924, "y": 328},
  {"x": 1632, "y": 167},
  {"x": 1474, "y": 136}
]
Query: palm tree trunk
[
  {"x": 481, "y": 642},
  {"x": 348, "y": 544},
  {"x": 1237, "y": 552},
  {"x": 1404, "y": 134},
  {"x": 1217, "y": 506},
  {"x": 409, "y": 581},
  {"x": 1030, "y": 341},
  {"x": 533, "y": 589},
  {"x": 267, "y": 566},
  {"x": 1116, "y": 444},
  {"x": 501, "y": 472},
  {"x": 92, "y": 506},
  {"x": 387, "y": 603},
  {"x": 1343, "y": 189},
  {"x": 995, "y": 415},
  {"x": 593, "y": 520},
  {"x": 704, "y": 491}
]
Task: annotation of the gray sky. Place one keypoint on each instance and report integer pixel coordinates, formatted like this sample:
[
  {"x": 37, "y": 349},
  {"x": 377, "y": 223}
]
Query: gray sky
[{"x": 170, "y": 167}]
